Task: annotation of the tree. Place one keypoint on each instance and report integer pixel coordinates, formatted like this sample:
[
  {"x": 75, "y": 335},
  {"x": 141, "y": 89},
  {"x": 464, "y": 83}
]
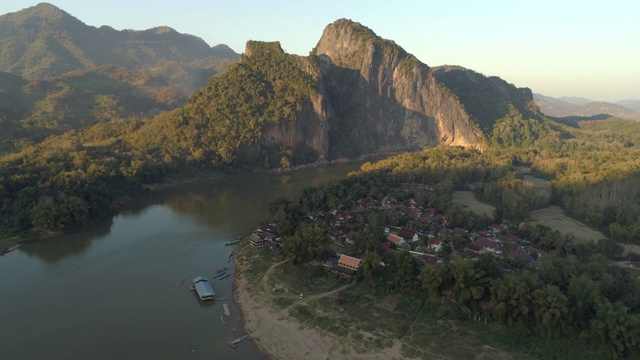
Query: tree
[
  {"x": 45, "y": 215},
  {"x": 470, "y": 283},
  {"x": 511, "y": 299},
  {"x": 582, "y": 293},
  {"x": 616, "y": 328},
  {"x": 371, "y": 268},
  {"x": 405, "y": 268},
  {"x": 435, "y": 278},
  {"x": 308, "y": 243},
  {"x": 550, "y": 310}
]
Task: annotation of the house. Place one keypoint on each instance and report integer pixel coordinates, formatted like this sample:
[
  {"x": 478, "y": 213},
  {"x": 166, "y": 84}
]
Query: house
[
  {"x": 263, "y": 234},
  {"x": 488, "y": 245},
  {"x": 385, "y": 247},
  {"x": 484, "y": 233},
  {"x": 349, "y": 262},
  {"x": 395, "y": 239},
  {"x": 256, "y": 240},
  {"x": 475, "y": 247},
  {"x": 427, "y": 259},
  {"x": 520, "y": 255},
  {"x": 435, "y": 244},
  {"x": 460, "y": 231},
  {"x": 408, "y": 234}
]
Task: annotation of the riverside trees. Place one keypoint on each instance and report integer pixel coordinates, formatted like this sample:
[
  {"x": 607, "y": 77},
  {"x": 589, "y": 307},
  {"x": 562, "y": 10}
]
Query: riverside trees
[{"x": 572, "y": 293}]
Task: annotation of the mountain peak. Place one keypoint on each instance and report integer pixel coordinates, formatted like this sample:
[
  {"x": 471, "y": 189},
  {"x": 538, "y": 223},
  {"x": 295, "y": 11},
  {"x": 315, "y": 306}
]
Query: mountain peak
[
  {"x": 43, "y": 11},
  {"x": 348, "y": 43}
]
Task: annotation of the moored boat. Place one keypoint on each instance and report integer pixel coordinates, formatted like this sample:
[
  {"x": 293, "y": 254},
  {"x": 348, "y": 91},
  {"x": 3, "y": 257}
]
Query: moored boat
[
  {"x": 233, "y": 343},
  {"x": 223, "y": 276}
]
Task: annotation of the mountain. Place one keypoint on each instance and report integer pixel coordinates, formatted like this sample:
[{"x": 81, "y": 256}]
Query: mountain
[
  {"x": 33, "y": 110},
  {"x": 576, "y": 100},
  {"x": 384, "y": 98},
  {"x": 632, "y": 104},
  {"x": 556, "y": 107},
  {"x": 355, "y": 94},
  {"x": 487, "y": 99},
  {"x": 44, "y": 41}
]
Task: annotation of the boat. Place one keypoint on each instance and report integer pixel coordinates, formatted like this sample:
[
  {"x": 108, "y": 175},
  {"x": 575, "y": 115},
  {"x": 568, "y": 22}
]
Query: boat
[
  {"x": 221, "y": 269},
  {"x": 203, "y": 288},
  {"x": 230, "y": 253},
  {"x": 223, "y": 276},
  {"x": 233, "y": 343},
  {"x": 222, "y": 319},
  {"x": 234, "y": 241},
  {"x": 237, "y": 324}
]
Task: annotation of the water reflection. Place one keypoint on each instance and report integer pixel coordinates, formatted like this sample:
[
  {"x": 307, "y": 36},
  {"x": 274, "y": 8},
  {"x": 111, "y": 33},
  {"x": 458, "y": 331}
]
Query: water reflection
[
  {"x": 57, "y": 248},
  {"x": 114, "y": 291}
]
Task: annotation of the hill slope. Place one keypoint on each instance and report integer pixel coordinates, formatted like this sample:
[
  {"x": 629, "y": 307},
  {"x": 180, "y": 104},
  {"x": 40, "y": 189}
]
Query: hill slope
[
  {"x": 560, "y": 108},
  {"x": 44, "y": 41},
  {"x": 487, "y": 99}
]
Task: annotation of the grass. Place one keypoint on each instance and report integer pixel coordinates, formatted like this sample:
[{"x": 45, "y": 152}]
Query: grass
[
  {"x": 307, "y": 279},
  {"x": 434, "y": 329},
  {"x": 555, "y": 218},
  {"x": 468, "y": 200}
]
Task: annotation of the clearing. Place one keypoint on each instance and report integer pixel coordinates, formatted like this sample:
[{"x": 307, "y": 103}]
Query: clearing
[{"x": 468, "y": 200}]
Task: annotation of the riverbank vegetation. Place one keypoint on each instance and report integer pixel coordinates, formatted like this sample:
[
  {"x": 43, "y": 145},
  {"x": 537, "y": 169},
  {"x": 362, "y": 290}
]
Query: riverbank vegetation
[
  {"x": 568, "y": 301},
  {"x": 68, "y": 181}
]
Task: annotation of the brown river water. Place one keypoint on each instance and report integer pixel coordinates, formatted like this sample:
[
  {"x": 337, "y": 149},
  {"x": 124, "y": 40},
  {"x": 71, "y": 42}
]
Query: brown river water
[{"x": 116, "y": 290}]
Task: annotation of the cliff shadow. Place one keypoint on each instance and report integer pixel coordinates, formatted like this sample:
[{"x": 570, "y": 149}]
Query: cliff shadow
[{"x": 368, "y": 119}]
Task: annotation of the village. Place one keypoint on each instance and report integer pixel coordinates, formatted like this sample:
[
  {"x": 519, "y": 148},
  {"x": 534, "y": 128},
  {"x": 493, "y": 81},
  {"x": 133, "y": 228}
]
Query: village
[{"x": 432, "y": 239}]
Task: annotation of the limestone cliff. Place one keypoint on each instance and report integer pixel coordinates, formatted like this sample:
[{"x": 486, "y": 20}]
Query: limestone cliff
[
  {"x": 355, "y": 94},
  {"x": 384, "y": 98},
  {"x": 308, "y": 129}
]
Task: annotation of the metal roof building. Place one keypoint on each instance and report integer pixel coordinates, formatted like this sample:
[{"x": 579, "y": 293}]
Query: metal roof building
[{"x": 204, "y": 288}]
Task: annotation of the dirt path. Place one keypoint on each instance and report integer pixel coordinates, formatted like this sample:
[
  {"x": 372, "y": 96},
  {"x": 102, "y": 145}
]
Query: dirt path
[
  {"x": 264, "y": 281},
  {"x": 294, "y": 294}
]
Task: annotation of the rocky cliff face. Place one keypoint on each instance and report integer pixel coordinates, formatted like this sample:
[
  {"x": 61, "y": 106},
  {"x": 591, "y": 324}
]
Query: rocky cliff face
[{"x": 384, "y": 98}]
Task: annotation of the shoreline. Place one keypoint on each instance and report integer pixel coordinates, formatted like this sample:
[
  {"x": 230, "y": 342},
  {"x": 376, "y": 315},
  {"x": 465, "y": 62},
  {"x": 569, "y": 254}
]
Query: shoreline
[
  {"x": 279, "y": 336},
  {"x": 149, "y": 188}
]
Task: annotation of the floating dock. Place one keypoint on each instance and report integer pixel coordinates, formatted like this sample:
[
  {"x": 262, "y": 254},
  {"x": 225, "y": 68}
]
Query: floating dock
[{"x": 226, "y": 309}]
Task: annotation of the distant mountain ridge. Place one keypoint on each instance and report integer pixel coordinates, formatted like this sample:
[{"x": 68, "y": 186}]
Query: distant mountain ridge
[
  {"x": 571, "y": 106},
  {"x": 44, "y": 41}
]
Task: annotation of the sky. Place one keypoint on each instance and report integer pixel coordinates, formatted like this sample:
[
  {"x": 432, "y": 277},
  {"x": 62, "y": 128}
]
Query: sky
[{"x": 557, "y": 48}]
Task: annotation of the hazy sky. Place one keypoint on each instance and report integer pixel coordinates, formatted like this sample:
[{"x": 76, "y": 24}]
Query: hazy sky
[{"x": 557, "y": 48}]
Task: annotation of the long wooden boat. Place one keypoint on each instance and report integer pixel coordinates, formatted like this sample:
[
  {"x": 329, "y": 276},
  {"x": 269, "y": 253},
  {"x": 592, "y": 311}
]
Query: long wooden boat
[
  {"x": 234, "y": 343},
  {"x": 233, "y": 242},
  {"x": 223, "y": 276}
]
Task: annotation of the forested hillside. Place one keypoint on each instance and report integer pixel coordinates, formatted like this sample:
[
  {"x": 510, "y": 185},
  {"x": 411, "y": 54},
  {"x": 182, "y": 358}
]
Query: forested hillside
[
  {"x": 272, "y": 109},
  {"x": 31, "y": 111},
  {"x": 44, "y": 41}
]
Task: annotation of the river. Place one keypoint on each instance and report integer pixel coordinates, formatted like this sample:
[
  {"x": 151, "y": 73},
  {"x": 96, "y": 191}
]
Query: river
[{"x": 116, "y": 291}]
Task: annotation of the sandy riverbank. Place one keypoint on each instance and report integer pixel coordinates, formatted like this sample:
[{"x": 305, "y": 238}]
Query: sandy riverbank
[{"x": 282, "y": 337}]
